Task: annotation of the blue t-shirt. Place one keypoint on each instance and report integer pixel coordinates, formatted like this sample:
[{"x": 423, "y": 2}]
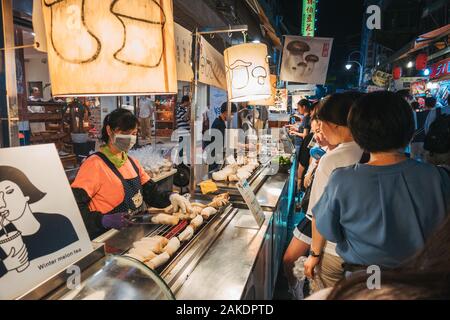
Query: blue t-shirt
[{"x": 382, "y": 215}]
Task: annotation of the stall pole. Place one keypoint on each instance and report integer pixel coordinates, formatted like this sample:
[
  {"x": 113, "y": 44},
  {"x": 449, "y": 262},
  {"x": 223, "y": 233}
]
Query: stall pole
[
  {"x": 196, "y": 36},
  {"x": 9, "y": 111},
  {"x": 193, "y": 144}
]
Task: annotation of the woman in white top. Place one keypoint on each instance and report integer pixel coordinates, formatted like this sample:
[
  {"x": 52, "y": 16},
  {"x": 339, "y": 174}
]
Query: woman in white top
[
  {"x": 301, "y": 240},
  {"x": 332, "y": 116}
]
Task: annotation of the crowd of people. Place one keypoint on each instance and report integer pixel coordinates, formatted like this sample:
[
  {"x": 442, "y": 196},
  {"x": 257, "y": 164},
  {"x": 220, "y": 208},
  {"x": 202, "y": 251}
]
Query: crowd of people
[{"x": 375, "y": 193}]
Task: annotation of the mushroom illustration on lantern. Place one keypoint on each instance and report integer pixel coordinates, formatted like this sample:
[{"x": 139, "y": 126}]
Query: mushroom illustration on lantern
[
  {"x": 143, "y": 24},
  {"x": 69, "y": 35},
  {"x": 261, "y": 74},
  {"x": 240, "y": 74},
  {"x": 311, "y": 61},
  {"x": 247, "y": 71},
  {"x": 296, "y": 61}
]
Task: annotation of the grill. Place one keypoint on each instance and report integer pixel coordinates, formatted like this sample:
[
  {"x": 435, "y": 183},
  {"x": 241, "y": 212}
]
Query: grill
[{"x": 173, "y": 231}]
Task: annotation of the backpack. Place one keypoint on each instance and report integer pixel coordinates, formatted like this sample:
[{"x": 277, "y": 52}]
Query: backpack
[{"x": 437, "y": 139}]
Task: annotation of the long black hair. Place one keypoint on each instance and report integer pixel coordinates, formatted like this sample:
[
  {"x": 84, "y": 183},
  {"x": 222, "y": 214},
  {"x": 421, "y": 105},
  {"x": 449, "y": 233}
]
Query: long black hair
[
  {"x": 13, "y": 174},
  {"x": 121, "y": 119},
  {"x": 425, "y": 276}
]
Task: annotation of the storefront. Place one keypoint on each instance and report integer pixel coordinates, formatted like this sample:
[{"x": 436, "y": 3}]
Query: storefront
[{"x": 233, "y": 249}]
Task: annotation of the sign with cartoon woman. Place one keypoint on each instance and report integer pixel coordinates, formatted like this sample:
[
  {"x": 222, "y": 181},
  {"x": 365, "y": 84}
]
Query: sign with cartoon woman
[{"x": 41, "y": 229}]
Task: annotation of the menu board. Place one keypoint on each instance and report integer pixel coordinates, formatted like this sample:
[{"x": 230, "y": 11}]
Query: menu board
[{"x": 250, "y": 199}]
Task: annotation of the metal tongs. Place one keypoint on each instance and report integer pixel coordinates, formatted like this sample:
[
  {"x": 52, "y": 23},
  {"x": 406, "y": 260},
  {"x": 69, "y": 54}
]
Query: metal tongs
[{"x": 139, "y": 217}]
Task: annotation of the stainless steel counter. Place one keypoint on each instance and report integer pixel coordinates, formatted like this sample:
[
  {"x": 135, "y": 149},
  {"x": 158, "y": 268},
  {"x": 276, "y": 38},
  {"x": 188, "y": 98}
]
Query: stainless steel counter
[
  {"x": 243, "y": 263},
  {"x": 269, "y": 194},
  {"x": 223, "y": 272}
]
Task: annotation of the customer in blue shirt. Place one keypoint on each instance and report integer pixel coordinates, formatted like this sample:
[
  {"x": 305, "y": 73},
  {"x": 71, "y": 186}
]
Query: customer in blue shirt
[{"x": 382, "y": 213}]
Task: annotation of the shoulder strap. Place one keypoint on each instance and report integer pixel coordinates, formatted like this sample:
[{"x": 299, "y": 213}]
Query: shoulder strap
[
  {"x": 110, "y": 165},
  {"x": 133, "y": 163}
]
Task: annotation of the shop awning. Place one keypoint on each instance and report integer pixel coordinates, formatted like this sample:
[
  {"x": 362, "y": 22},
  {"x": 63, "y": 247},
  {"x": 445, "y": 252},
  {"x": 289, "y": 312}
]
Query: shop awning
[{"x": 425, "y": 41}]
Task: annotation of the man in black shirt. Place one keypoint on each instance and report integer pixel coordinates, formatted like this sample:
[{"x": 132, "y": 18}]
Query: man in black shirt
[{"x": 221, "y": 124}]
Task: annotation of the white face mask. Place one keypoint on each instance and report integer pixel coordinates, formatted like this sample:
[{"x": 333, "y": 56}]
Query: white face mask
[{"x": 124, "y": 142}]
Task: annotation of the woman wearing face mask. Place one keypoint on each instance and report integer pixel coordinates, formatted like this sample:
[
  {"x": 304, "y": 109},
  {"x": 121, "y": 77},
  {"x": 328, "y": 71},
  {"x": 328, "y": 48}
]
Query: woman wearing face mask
[{"x": 110, "y": 184}]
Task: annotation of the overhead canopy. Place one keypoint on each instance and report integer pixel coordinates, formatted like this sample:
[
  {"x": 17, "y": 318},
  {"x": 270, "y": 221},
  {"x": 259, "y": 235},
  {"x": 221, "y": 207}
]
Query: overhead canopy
[{"x": 423, "y": 41}]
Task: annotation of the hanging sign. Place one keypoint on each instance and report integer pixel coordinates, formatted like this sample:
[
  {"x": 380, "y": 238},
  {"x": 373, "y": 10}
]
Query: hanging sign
[
  {"x": 110, "y": 47},
  {"x": 308, "y": 18},
  {"x": 305, "y": 59},
  {"x": 40, "y": 39},
  {"x": 406, "y": 82},
  {"x": 381, "y": 79},
  {"x": 211, "y": 68},
  {"x": 183, "y": 43},
  {"x": 41, "y": 229},
  {"x": 281, "y": 101}
]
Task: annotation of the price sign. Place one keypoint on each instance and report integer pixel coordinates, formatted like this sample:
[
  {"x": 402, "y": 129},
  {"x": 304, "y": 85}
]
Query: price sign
[{"x": 250, "y": 199}]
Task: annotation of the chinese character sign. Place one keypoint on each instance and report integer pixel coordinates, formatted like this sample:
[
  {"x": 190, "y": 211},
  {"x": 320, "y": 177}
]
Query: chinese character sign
[{"x": 308, "y": 18}]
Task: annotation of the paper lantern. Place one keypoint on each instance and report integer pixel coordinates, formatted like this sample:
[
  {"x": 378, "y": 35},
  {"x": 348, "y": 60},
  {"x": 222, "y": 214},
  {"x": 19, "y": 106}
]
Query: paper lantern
[
  {"x": 421, "y": 61},
  {"x": 271, "y": 100},
  {"x": 397, "y": 73},
  {"x": 110, "y": 47},
  {"x": 247, "y": 72}
]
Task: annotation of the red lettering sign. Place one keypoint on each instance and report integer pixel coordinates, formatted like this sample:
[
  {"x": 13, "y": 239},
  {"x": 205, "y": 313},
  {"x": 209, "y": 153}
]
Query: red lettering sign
[
  {"x": 440, "y": 69},
  {"x": 326, "y": 50}
]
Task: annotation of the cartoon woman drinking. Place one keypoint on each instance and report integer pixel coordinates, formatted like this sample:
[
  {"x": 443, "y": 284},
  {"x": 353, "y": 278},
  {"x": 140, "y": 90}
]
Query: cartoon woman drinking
[{"x": 26, "y": 235}]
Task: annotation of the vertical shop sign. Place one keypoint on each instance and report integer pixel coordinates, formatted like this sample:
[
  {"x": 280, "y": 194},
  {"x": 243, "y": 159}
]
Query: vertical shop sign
[{"x": 309, "y": 18}]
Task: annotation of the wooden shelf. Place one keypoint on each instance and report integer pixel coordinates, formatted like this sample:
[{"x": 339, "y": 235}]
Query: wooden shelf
[
  {"x": 48, "y": 137},
  {"x": 44, "y": 117},
  {"x": 47, "y": 104}
]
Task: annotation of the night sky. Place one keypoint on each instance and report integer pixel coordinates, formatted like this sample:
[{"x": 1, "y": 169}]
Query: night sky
[{"x": 338, "y": 19}]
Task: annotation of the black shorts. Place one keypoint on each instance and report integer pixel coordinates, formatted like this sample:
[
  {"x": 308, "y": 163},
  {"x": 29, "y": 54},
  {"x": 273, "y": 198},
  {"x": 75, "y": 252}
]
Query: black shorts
[{"x": 303, "y": 231}]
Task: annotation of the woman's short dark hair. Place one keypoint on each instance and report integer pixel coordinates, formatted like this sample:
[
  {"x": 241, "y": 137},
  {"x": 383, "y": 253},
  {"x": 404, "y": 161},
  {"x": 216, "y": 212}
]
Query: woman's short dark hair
[
  {"x": 18, "y": 177},
  {"x": 335, "y": 108},
  {"x": 381, "y": 121},
  {"x": 305, "y": 103},
  {"x": 224, "y": 107},
  {"x": 120, "y": 119},
  {"x": 185, "y": 99},
  {"x": 430, "y": 102}
]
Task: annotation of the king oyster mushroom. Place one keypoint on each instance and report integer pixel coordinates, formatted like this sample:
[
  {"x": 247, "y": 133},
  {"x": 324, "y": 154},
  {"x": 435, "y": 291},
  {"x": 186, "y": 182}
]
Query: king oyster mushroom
[
  {"x": 297, "y": 50},
  {"x": 311, "y": 61},
  {"x": 301, "y": 68}
]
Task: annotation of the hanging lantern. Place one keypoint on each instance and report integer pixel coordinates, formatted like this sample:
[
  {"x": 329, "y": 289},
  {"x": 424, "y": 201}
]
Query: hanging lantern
[
  {"x": 248, "y": 73},
  {"x": 421, "y": 61},
  {"x": 106, "y": 47},
  {"x": 271, "y": 100},
  {"x": 397, "y": 73}
]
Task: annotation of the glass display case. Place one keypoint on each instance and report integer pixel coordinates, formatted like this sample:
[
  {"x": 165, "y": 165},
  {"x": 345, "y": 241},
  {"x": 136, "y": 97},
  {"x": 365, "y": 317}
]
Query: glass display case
[{"x": 122, "y": 278}]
